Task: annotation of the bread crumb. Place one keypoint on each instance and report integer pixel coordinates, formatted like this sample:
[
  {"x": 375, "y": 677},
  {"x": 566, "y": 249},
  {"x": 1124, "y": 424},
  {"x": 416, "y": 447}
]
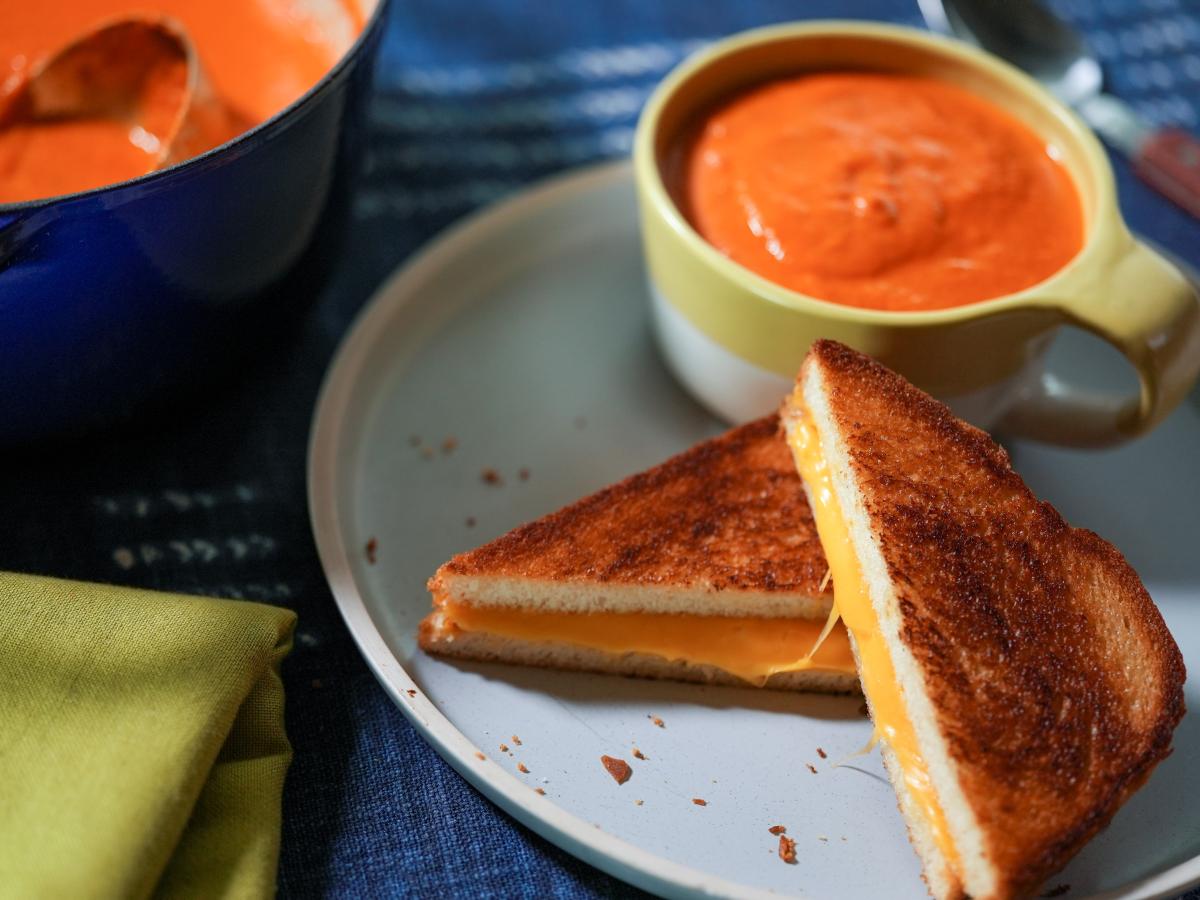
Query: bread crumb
[
  {"x": 617, "y": 768},
  {"x": 479, "y": 755},
  {"x": 470, "y": 521},
  {"x": 521, "y": 768},
  {"x": 821, "y": 753},
  {"x": 787, "y": 849},
  {"x": 427, "y": 453},
  {"x": 411, "y": 692},
  {"x": 504, "y": 748},
  {"x": 699, "y": 802},
  {"x": 1057, "y": 891},
  {"x": 491, "y": 476},
  {"x": 449, "y": 445},
  {"x": 811, "y": 768},
  {"x": 821, "y": 837},
  {"x": 777, "y": 829},
  {"x": 638, "y": 754},
  {"x": 372, "y": 546},
  {"x": 656, "y": 720},
  {"x": 541, "y": 791},
  {"x": 639, "y": 802},
  {"x": 523, "y": 474},
  {"x": 516, "y": 740}
]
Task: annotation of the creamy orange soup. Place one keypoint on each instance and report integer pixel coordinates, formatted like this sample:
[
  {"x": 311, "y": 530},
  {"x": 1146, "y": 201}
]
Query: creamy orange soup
[
  {"x": 259, "y": 55},
  {"x": 878, "y": 190}
]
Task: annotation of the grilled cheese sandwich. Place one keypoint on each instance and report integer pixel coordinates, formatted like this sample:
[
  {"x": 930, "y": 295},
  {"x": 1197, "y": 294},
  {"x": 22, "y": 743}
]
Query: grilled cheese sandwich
[
  {"x": 705, "y": 568},
  {"x": 1021, "y": 681}
]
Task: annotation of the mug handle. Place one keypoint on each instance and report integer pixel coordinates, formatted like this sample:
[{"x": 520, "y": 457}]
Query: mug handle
[{"x": 1149, "y": 310}]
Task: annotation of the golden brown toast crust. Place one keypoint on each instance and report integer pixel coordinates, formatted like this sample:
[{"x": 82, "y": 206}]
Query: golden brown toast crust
[
  {"x": 728, "y": 514},
  {"x": 1055, "y": 680}
]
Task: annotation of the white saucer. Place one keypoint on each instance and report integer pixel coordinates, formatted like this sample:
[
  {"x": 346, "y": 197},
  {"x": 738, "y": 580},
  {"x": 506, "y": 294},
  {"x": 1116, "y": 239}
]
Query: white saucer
[{"x": 523, "y": 336}]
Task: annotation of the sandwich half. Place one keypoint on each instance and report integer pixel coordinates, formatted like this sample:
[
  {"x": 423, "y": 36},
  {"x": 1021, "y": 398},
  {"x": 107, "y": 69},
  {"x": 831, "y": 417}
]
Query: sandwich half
[
  {"x": 1022, "y": 683},
  {"x": 706, "y": 568}
]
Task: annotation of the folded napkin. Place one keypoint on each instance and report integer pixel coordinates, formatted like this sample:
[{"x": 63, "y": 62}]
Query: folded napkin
[{"x": 142, "y": 747}]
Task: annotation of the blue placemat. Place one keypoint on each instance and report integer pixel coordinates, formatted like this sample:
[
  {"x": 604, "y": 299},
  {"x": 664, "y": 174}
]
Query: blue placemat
[{"x": 475, "y": 100}]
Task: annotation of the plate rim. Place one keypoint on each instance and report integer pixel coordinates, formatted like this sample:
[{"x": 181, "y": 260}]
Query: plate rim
[{"x": 580, "y": 838}]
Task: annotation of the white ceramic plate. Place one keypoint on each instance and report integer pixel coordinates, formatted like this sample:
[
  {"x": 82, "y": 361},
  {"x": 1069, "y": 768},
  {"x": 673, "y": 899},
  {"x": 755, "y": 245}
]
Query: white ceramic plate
[{"x": 522, "y": 335}]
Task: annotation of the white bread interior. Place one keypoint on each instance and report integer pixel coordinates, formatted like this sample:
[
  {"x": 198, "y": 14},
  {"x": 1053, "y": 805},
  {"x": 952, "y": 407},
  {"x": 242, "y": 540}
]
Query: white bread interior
[
  {"x": 538, "y": 595},
  {"x": 976, "y": 877}
]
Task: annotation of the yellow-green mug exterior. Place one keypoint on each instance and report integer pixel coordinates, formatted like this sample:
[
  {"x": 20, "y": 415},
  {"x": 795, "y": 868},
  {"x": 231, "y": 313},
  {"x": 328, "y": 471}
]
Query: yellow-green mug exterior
[{"x": 1115, "y": 286}]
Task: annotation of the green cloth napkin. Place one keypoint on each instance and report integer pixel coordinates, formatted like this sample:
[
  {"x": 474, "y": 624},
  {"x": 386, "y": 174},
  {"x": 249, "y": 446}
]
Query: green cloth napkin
[{"x": 142, "y": 746}]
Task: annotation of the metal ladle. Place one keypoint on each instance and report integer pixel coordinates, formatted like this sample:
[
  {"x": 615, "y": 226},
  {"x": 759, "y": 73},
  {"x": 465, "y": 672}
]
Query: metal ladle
[{"x": 139, "y": 71}]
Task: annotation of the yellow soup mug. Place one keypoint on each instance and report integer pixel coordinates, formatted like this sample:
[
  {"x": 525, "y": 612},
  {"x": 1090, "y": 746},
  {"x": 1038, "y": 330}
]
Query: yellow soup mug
[{"x": 736, "y": 340}]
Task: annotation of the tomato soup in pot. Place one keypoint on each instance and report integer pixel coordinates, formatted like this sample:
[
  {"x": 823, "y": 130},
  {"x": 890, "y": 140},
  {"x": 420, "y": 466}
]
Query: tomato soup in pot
[{"x": 258, "y": 55}]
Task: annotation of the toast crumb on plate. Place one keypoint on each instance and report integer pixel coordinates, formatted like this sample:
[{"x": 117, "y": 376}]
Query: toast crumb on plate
[
  {"x": 617, "y": 768},
  {"x": 787, "y": 849}
]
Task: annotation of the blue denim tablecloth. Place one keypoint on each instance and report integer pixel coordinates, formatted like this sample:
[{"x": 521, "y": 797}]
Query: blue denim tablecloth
[{"x": 474, "y": 100}]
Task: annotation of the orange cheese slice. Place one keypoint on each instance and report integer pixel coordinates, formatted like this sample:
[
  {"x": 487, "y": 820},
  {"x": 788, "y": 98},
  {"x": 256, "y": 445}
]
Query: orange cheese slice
[
  {"x": 752, "y": 648},
  {"x": 852, "y": 603}
]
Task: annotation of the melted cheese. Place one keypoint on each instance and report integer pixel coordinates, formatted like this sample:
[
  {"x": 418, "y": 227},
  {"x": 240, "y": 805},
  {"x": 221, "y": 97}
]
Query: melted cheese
[
  {"x": 852, "y": 603},
  {"x": 752, "y": 648}
]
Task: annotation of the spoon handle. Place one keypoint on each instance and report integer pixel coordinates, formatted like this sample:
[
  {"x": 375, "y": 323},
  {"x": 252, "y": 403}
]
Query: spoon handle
[{"x": 1169, "y": 161}]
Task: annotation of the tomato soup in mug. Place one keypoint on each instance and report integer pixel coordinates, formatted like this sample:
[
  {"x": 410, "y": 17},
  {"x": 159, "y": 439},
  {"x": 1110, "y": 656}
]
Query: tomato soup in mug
[{"x": 876, "y": 190}]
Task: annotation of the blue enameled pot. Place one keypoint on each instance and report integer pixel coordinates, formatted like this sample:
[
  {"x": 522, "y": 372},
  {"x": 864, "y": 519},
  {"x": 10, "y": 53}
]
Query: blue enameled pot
[{"x": 116, "y": 299}]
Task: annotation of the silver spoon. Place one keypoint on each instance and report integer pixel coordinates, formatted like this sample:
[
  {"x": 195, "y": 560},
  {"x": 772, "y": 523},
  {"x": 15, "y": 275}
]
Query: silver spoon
[
  {"x": 1032, "y": 38},
  {"x": 141, "y": 71}
]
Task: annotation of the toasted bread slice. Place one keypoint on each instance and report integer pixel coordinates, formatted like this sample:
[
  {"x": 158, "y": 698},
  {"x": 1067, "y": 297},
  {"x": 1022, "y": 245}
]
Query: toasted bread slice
[
  {"x": 1022, "y": 682},
  {"x": 705, "y": 568}
]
